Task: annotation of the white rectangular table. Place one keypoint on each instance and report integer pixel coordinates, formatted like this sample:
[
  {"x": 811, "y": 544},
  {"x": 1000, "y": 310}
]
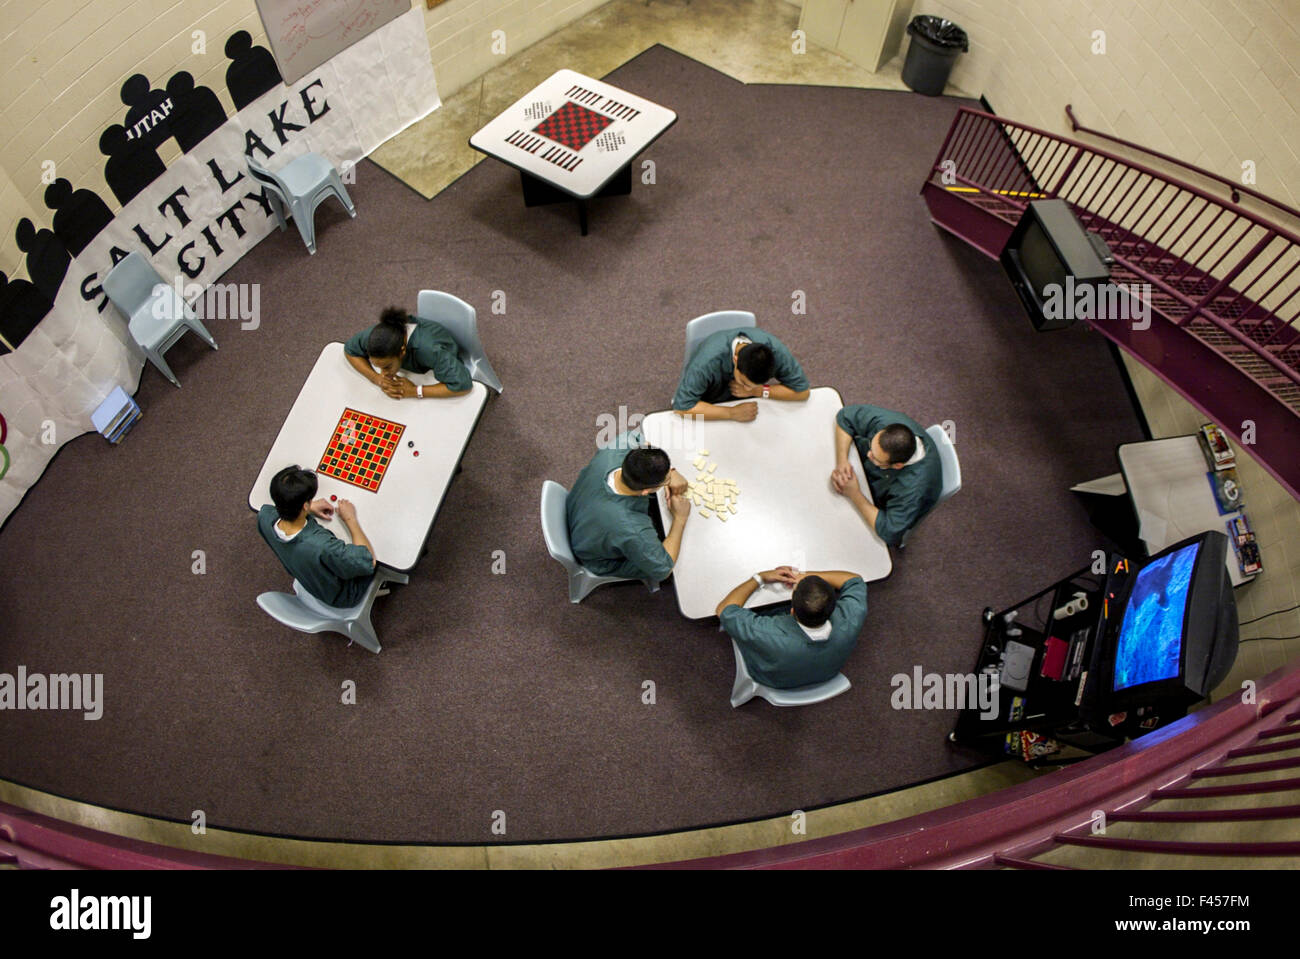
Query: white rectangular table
[
  {"x": 398, "y": 516},
  {"x": 575, "y": 134},
  {"x": 788, "y": 513}
]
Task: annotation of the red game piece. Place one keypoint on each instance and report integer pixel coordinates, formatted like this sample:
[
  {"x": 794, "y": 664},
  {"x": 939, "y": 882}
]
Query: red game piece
[
  {"x": 416, "y": 453},
  {"x": 333, "y": 497}
]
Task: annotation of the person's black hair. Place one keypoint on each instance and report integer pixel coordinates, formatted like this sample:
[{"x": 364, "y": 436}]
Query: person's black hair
[
  {"x": 813, "y": 601},
  {"x": 389, "y": 335},
  {"x": 645, "y": 468},
  {"x": 757, "y": 362},
  {"x": 898, "y": 442},
  {"x": 291, "y": 489}
]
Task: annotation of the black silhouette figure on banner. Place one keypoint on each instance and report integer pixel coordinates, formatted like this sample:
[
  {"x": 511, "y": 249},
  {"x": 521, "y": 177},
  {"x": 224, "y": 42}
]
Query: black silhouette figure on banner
[
  {"x": 196, "y": 111},
  {"x": 78, "y": 216},
  {"x": 252, "y": 70},
  {"x": 131, "y": 165},
  {"x": 47, "y": 258},
  {"x": 148, "y": 119},
  {"x": 22, "y": 306}
]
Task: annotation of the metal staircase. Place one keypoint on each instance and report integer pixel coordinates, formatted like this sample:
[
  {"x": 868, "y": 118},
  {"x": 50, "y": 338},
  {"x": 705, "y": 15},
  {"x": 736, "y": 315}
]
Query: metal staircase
[{"x": 1223, "y": 283}]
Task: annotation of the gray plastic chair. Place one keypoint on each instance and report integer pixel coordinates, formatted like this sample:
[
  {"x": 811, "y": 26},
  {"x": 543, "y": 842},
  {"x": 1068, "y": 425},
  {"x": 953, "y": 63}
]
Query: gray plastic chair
[
  {"x": 156, "y": 315},
  {"x": 702, "y": 327},
  {"x": 746, "y": 688},
  {"x": 951, "y": 472},
  {"x": 555, "y": 530},
  {"x": 302, "y": 611},
  {"x": 298, "y": 188},
  {"x": 461, "y": 322}
]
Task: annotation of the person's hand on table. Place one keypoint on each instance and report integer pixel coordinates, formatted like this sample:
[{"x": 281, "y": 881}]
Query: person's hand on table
[
  {"x": 743, "y": 412},
  {"x": 842, "y": 475},
  {"x": 679, "y": 505},
  {"x": 676, "y": 483},
  {"x": 347, "y": 512},
  {"x": 400, "y": 388},
  {"x": 741, "y": 391},
  {"x": 846, "y": 484},
  {"x": 782, "y": 574},
  {"x": 321, "y": 509}
]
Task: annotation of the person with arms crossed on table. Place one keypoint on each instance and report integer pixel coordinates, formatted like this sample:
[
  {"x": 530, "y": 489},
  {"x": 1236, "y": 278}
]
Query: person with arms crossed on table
[
  {"x": 901, "y": 463},
  {"x": 804, "y": 641},
  {"x": 381, "y": 351},
  {"x": 336, "y": 573},
  {"x": 608, "y": 512},
  {"x": 738, "y": 363}
]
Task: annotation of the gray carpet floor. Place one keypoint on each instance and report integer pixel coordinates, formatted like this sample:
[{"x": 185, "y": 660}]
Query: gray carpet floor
[{"x": 493, "y": 692}]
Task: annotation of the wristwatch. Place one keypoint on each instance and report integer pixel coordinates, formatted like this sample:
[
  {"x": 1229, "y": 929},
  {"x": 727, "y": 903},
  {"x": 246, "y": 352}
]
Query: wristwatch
[
  {"x": 767, "y": 392},
  {"x": 419, "y": 391},
  {"x": 758, "y": 578}
]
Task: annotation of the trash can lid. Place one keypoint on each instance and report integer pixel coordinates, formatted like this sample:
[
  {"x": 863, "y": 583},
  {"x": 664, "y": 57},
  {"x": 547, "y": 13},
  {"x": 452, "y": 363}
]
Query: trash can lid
[{"x": 940, "y": 32}]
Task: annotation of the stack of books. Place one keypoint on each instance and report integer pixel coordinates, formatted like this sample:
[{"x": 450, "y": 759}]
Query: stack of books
[
  {"x": 116, "y": 415},
  {"x": 1223, "y": 468},
  {"x": 1243, "y": 542}
]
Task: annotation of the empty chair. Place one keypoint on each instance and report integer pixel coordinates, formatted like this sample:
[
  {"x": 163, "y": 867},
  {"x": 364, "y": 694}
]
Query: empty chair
[
  {"x": 746, "y": 688},
  {"x": 156, "y": 314},
  {"x": 702, "y": 327},
  {"x": 555, "y": 529},
  {"x": 302, "y": 611},
  {"x": 461, "y": 322},
  {"x": 298, "y": 188},
  {"x": 951, "y": 468}
]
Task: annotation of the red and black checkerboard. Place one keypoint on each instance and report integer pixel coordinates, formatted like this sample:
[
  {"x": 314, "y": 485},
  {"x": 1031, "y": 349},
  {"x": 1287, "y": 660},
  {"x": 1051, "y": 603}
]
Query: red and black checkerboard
[
  {"x": 572, "y": 125},
  {"x": 360, "y": 449}
]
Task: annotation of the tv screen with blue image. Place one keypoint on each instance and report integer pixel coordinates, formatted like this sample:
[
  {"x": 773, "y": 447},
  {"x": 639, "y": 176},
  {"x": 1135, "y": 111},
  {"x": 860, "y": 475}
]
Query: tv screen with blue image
[{"x": 1151, "y": 634}]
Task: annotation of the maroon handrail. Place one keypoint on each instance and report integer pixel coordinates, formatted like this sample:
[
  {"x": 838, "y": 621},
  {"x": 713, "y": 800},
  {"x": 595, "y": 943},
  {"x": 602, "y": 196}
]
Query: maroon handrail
[
  {"x": 1198, "y": 288},
  {"x": 1012, "y": 825},
  {"x": 1236, "y": 188}
]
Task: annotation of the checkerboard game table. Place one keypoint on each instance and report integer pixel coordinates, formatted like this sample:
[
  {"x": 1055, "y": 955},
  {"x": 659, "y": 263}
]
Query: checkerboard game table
[
  {"x": 572, "y": 138},
  {"x": 787, "y": 512},
  {"x": 337, "y": 427}
]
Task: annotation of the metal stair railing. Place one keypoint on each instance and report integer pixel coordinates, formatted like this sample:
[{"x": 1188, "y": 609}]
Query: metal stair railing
[{"x": 1223, "y": 281}]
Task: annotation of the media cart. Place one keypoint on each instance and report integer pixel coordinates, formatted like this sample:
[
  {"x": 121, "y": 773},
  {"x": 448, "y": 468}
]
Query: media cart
[{"x": 1048, "y": 673}]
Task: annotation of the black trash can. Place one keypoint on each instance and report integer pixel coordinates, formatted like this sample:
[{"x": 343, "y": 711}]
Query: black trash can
[{"x": 932, "y": 52}]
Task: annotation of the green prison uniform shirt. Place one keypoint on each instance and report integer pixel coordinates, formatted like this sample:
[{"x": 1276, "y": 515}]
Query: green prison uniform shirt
[
  {"x": 429, "y": 347},
  {"x": 708, "y": 375},
  {"x": 612, "y": 534},
  {"x": 778, "y": 653},
  {"x": 903, "y": 496},
  {"x": 335, "y": 572}
]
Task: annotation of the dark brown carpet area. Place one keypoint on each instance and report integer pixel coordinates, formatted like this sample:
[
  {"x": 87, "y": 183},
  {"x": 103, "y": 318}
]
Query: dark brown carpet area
[{"x": 493, "y": 692}]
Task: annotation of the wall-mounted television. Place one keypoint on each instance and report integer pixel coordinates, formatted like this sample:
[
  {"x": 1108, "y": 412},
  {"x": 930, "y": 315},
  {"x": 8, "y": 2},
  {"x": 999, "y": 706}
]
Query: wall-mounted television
[{"x": 1047, "y": 257}]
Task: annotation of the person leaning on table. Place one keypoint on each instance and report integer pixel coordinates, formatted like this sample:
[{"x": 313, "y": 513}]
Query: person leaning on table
[
  {"x": 608, "y": 512},
  {"x": 381, "y": 351},
  {"x": 901, "y": 464},
  {"x": 801, "y": 642},
  {"x": 336, "y": 573},
  {"x": 738, "y": 363}
]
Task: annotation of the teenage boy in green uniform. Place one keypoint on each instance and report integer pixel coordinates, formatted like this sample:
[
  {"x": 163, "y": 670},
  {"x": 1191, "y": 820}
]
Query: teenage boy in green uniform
[{"x": 336, "y": 573}]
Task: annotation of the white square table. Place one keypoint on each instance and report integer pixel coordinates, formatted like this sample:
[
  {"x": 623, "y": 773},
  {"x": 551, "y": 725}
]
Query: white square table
[
  {"x": 398, "y": 516},
  {"x": 787, "y": 512},
  {"x": 573, "y": 134}
]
